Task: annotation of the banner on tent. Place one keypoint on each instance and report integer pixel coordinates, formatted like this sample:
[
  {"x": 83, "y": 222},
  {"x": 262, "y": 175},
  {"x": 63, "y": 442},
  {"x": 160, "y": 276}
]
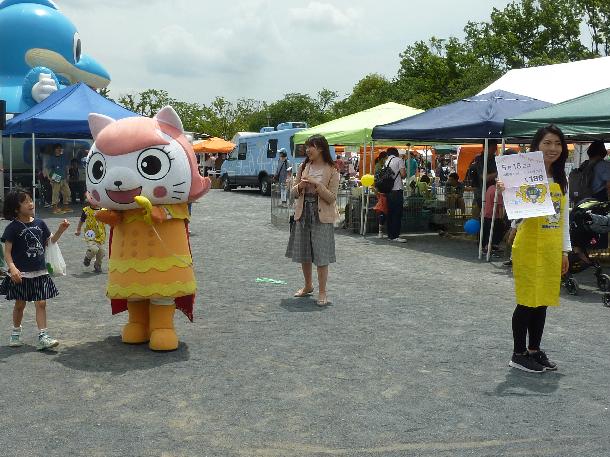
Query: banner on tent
[{"x": 526, "y": 184}]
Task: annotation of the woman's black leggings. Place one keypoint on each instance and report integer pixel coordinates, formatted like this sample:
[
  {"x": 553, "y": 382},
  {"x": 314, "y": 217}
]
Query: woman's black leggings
[{"x": 528, "y": 320}]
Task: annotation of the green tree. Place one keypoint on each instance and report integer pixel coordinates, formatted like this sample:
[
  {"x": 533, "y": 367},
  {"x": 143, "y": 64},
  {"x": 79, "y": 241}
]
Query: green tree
[
  {"x": 439, "y": 72},
  {"x": 597, "y": 18},
  {"x": 372, "y": 90},
  {"x": 146, "y": 103}
]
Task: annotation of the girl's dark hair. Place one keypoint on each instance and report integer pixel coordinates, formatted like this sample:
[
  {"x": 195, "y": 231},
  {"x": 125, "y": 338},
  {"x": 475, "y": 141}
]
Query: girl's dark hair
[
  {"x": 425, "y": 178},
  {"x": 392, "y": 152},
  {"x": 382, "y": 156},
  {"x": 597, "y": 149},
  {"x": 320, "y": 142},
  {"x": 558, "y": 167},
  {"x": 12, "y": 202}
]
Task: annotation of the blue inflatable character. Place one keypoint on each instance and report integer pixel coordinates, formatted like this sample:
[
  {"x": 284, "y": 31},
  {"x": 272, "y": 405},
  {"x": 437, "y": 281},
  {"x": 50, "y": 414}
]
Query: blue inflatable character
[{"x": 40, "y": 52}]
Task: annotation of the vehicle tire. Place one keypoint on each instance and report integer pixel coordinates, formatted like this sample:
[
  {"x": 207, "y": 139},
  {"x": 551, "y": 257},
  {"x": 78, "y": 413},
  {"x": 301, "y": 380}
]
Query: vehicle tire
[
  {"x": 571, "y": 286},
  {"x": 603, "y": 282},
  {"x": 265, "y": 185},
  {"x": 225, "y": 184}
]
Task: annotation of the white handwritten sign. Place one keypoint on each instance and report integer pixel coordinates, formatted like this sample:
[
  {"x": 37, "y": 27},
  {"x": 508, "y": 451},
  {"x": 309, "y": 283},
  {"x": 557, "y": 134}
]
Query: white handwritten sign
[{"x": 526, "y": 191}]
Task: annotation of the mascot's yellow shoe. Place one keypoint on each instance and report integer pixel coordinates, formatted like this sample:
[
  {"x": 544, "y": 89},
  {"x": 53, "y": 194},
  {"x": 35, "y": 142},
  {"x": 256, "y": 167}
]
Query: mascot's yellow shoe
[
  {"x": 162, "y": 334},
  {"x": 136, "y": 330}
]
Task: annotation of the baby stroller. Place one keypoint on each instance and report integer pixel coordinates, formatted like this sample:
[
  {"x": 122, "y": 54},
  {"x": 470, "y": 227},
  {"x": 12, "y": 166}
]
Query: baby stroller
[{"x": 586, "y": 226}]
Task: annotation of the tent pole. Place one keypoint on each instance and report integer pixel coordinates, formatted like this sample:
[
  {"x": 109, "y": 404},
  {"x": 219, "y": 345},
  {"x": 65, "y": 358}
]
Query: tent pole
[
  {"x": 33, "y": 167},
  {"x": 483, "y": 192},
  {"x": 362, "y": 209},
  {"x": 2, "y": 158},
  {"x": 10, "y": 161},
  {"x": 493, "y": 215}
]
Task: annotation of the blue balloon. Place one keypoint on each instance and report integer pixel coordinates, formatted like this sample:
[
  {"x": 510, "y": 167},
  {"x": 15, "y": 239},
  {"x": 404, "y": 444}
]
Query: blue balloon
[{"x": 472, "y": 226}]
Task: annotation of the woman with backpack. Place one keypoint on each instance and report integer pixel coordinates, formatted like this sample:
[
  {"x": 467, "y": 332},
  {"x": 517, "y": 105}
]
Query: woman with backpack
[
  {"x": 395, "y": 196},
  {"x": 312, "y": 236}
]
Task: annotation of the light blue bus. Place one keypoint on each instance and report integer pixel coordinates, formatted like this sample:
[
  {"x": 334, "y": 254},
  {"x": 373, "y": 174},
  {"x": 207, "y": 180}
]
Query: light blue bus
[{"x": 254, "y": 160}]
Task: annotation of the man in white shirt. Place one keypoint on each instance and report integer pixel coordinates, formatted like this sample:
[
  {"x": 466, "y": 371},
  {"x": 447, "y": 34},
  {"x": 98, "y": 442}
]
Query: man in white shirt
[{"x": 396, "y": 196}]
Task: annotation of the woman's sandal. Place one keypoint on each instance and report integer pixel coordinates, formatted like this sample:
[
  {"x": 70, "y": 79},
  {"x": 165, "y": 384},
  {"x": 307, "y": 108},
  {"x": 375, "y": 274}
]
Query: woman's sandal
[
  {"x": 323, "y": 302},
  {"x": 303, "y": 293}
]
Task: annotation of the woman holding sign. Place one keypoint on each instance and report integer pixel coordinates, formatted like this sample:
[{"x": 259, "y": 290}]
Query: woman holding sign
[{"x": 540, "y": 257}]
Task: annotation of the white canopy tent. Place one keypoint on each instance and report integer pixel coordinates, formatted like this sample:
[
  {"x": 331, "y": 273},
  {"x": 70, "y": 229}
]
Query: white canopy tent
[{"x": 556, "y": 83}]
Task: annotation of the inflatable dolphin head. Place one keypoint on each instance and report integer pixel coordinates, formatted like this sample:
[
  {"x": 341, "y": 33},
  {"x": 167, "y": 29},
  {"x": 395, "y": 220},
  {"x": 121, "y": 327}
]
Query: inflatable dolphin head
[{"x": 35, "y": 38}]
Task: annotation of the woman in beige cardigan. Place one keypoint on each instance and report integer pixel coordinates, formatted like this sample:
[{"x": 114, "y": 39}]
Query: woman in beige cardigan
[{"x": 312, "y": 237}]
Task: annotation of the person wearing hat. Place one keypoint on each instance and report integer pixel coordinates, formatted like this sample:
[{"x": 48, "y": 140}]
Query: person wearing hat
[{"x": 281, "y": 174}]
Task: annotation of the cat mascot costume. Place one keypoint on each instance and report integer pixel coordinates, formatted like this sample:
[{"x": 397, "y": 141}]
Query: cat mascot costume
[{"x": 143, "y": 172}]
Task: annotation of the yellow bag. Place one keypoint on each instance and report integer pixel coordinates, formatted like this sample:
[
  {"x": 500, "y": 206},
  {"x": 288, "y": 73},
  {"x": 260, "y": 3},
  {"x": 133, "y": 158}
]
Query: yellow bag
[{"x": 537, "y": 252}]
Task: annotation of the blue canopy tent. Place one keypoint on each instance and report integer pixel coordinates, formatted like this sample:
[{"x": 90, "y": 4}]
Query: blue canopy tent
[
  {"x": 63, "y": 114},
  {"x": 469, "y": 120}
]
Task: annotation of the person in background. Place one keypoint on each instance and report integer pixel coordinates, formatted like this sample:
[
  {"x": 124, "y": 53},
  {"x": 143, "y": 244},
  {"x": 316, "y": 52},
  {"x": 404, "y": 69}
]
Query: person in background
[
  {"x": 381, "y": 208},
  {"x": 411, "y": 164},
  {"x": 499, "y": 227},
  {"x": 57, "y": 171},
  {"x": 282, "y": 174},
  {"x": 312, "y": 237},
  {"x": 443, "y": 170},
  {"x": 208, "y": 164},
  {"x": 454, "y": 193},
  {"x": 74, "y": 181},
  {"x": 396, "y": 199},
  {"x": 94, "y": 236},
  {"x": 340, "y": 164},
  {"x": 601, "y": 173},
  {"x": 475, "y": 175}
]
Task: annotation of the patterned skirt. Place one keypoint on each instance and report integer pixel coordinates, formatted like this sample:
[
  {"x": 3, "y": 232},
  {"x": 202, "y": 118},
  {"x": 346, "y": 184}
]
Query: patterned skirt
[
  {"x": 30, "y": 289},
  {"x": 311, "y": 240}
]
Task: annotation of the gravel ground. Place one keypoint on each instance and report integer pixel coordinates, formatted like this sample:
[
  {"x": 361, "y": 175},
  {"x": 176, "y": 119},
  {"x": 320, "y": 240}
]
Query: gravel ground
[{"x": 410, "y": 359}]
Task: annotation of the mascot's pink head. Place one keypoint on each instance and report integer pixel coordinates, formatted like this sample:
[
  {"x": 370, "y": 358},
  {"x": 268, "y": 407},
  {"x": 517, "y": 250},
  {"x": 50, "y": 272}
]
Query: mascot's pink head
[{"x": 142, "y": 156}]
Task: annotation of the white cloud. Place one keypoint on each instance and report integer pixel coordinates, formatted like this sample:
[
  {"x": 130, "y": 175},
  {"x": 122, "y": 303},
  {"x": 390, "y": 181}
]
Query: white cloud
[
  {"x": 176, "y": 51},
  {"x": 318, "y": 15},
  {"x": 238, "y": 47}
]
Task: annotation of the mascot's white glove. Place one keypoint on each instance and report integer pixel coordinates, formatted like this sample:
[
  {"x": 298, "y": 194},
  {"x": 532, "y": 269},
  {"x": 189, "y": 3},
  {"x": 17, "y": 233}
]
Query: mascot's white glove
[{"x": 44, "y": 87}]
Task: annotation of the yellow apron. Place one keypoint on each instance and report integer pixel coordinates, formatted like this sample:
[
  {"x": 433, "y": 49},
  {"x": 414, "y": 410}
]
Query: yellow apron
[{"x": 537, "y": 252}]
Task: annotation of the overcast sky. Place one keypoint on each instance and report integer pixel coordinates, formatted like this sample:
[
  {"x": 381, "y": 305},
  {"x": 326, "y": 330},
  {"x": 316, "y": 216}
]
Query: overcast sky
[{"x": 262, "y": 49}]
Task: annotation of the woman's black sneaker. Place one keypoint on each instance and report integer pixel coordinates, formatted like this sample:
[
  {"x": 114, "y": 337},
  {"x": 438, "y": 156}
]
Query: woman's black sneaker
[
  {"x": 542, "y": 359},
  {"x": 526, "y": 363}
]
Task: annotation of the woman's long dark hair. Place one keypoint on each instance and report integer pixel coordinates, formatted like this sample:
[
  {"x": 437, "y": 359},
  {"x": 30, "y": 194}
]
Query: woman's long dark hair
[
  {"x": 383, "y": 155},
  {"x": 558, "y": 167},
  {"x": 320, "y": 142}
]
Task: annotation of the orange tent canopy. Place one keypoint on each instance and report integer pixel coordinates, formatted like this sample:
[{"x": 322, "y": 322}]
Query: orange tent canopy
[
  {"x": 467, "y": 153},
  {"x": 213, "y": 145}
]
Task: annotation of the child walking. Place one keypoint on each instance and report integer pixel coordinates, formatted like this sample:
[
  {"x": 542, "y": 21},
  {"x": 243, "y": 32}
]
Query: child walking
[
  {"x": 25, "y": 240},
  {"x": 540, "y": 258},
  {"x": 95, "y": 237}
]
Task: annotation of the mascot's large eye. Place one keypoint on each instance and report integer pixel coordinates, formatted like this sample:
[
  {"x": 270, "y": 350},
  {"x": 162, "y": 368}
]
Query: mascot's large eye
[
  {"x": 154, "y": 164},
  {"x": 77, "y": 47},
  {"x": 96, "y": 168}
]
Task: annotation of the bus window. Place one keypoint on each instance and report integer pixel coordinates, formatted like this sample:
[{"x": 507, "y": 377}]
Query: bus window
[
  {"x": 292, "y": 144},
  {"x": 233, "y": 154},
  {"x": 272, "y": 148},
  {"x": 241, "y": 152}
]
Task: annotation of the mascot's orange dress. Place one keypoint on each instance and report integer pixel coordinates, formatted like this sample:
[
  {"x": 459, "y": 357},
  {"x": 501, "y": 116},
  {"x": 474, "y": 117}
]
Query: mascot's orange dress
[{"x": 143, "y": 172}]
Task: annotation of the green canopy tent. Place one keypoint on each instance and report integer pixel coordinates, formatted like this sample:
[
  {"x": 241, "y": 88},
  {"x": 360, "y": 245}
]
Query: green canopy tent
[
  {"x": 581, "y": 119},
  {"x": 357, "y": 128}
]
